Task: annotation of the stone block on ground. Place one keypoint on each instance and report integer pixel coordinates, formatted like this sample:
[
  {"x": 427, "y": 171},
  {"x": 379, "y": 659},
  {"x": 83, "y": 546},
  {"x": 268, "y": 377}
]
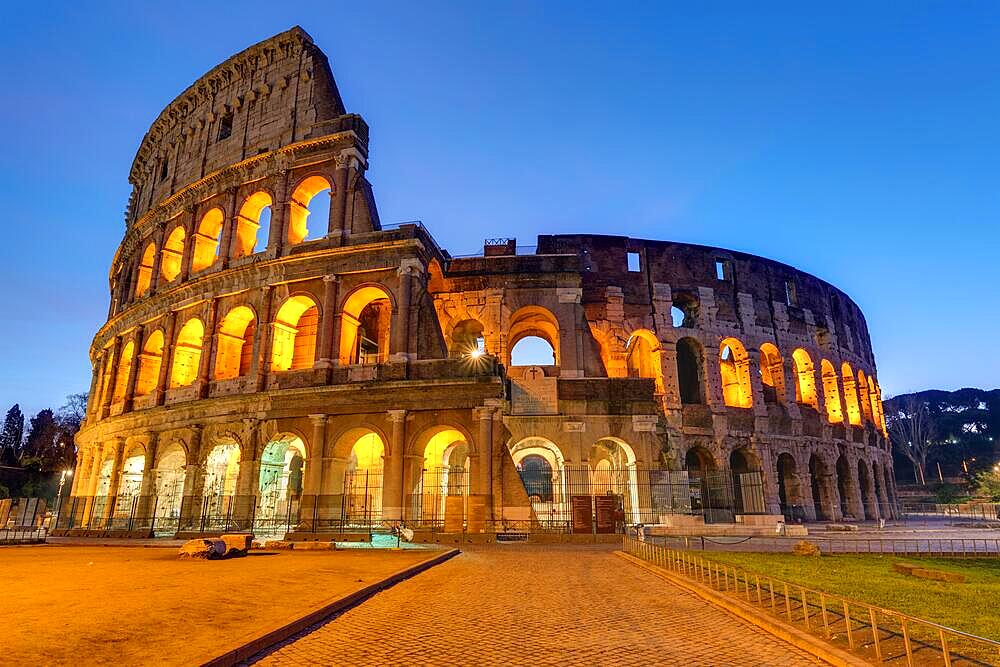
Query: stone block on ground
[
  {"x": 277, "y": 544},
  {"x": 314, "y": 546},
  {"x": 203, "y": 549},
  {"x": 237, "y": 544},
  {"x": 926, "y": 573},
  {"x": 804, "y": 548}
]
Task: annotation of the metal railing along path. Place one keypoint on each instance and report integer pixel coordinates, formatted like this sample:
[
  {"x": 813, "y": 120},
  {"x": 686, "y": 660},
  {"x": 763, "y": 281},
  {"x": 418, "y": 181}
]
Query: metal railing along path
[
  {"x": 883, "y": 636},
  {"x": 918, "y": 547}
]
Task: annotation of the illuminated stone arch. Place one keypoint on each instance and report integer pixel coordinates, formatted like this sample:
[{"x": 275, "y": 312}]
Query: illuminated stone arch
[
  {"x": 170, "y": 471},
  {"x": 363, "y": 449},
  {"x": 533, "y": 322},
  {"x": 125, "y": 361},
  {"x": 690, "y": 371},
  {"x": 150, "y": 360},
  {"x": 850, "y": 395},
  {"x": 302, "y": 195},
  {"x": 252, "y": 224},
  {"x": 293, "y": 342},
  {"x": 187, "y": 353},
  {"x": 831, "y": 392},
  {"x": 790, "y": 493},
  {"x": 144, "y": 277},
  {"x": 642, "y": 357},
  {"x": 206, "y": 240},
  {"x": 612, "y": 466},
  {"x": 772, "y": 373},
  {"x": 446, "y": 452},
  {"x": 864, "y": 399},
  {"x": 234, "y": 346},
  {"x": 819, "y": 479},
  {"x": 280, "y": 482},
  {"x": 172, "y": 254},
  {"x": 869, "y": 504},
  {"x": 542, "y": 468},
  {"x": 130, "y": 480},
  {"x": 734, "y": 367},
  {"x": 222, "y": 466},
  {"x": 699, "y": 460},
  {"x": 365, "y": 324},
  {"x": 805, "y": 379}
]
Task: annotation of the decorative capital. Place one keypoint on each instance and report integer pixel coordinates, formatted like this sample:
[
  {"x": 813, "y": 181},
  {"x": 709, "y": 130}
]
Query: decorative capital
[{"x": 396, "y": 415}]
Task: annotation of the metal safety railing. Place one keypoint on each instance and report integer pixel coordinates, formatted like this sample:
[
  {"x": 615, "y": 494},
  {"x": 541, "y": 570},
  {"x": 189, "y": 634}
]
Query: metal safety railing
[
  {"x": 918, "y": 547},
  {"x": 884, "y": 636}
]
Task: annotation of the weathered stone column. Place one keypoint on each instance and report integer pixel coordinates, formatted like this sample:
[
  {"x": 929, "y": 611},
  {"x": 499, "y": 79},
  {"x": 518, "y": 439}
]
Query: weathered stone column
[
  {"x": 398, "y": 346},
  {"x": 116, "y": 475},
  {"x": 393, "y": 486},
  {"x": 248, "y": 476},
  {"x": 484, "y": 446},
  {"x": 277, "y": 234},
  {"x": 209, "y": 343},
  {"x": 264, "y": 336},
  {"x": 228, "y": 225},
  {"x": 194, "y": 483},
  {"x": 147, "y": 488},
  {"x": 166, "y": 358},
  {"x": 92, "y": 481},
  {"x": 338, "y": 199},
  {"x": 312, "y": 484},
  {"x": 327, "y": 353},
  {"x": 133, "y": 371},
  {"x": 190, "y": 227}
]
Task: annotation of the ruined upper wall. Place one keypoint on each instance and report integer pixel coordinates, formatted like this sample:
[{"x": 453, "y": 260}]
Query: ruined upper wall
[
  {"x": 272, "y": 94},
  {"x": 687, "y": 267}
]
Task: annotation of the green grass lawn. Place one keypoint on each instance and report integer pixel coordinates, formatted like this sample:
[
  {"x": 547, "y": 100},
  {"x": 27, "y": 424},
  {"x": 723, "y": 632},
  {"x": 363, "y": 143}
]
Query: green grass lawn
[{"x": 972, "y": 607}]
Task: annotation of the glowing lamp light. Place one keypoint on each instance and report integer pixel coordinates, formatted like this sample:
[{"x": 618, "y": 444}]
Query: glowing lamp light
[{"x": 475, "y": 353}]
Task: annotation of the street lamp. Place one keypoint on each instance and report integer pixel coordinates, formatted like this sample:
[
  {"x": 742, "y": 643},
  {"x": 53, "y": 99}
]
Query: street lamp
[{"x": 62, "y": 482}]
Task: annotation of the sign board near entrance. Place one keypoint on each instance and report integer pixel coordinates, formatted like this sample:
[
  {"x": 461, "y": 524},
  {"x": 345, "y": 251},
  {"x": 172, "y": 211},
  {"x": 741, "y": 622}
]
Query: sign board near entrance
[
  {"x": 534, "y": 394},
  {"x": 583, "y": 518},
  {"x": 607, "y": 513},
  {"x": 477, "y": 514},
  {"x": 454, "y": 513}
]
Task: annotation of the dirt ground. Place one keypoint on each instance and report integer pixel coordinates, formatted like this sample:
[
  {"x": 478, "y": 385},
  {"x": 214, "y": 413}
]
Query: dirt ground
[{"x": 133, "y": 605}]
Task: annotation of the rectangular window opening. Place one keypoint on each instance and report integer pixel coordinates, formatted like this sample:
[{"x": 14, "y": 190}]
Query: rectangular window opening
[
  {"x": 225, "y": 126},
  {"x": 722, "y": 269},
  {"x": 633, "y": 262},
  {"x": 790, "y": 299}
]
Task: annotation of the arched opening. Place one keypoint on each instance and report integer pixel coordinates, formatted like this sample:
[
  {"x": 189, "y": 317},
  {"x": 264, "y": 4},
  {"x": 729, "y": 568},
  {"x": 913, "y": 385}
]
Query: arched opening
[
  {"x": 863, "y": 397},
  {"x": 748, "y": 482},
  {"x": 533, "y": 338},
  {"x": 169, "y": 489},
  {"x": 253, "y": 224},
  {"x": 612, "y": 466},
  {"x": 173, "y": 254},
  {"x": 699, "y": 461},
  {"x": 684, "y": 311},
  {"x": 873, "y": 400},
  {"x": 293, "y": 345},
  {"x": 445, "y": 472},
  {"x": 642, "y": 358},
  {"x": 467, "y": 339},
  {"x": 844, "y": 484},
  {"x": 363, "y": 481},
  {"x": 789, "y": 494},
  {"x": 831, "y": 393},
  {"x": 818, "y": 480},
  {"x": 222, "y": 469},
  {"x": 850, "y": 395},
  {"x": 187, "y": 354},
  {"x": 124, "y": 369},
  {"x": 206, "y": 240},
  {"x": 772, "y": 374},
  {"x": 101, "y": 501},
  {"x": 365, "y": 325},
  {"x": 279, "y": 486},
  {"x": 734, "y": 366},
  {"x": 689, "y": 371},
  {"x": 234, "y": 351},
  {"x": 144, "y": 278},
  {"x": 868, "y": 502},
  {"x": 129, "y": 484},
  {"x": 805, "y": 379},
  {"x": 310, "y": 209},
  {"x": 149, "y": 364},
  {"x": 544, "y": 481},
  {"x": 701, "y": 466}
]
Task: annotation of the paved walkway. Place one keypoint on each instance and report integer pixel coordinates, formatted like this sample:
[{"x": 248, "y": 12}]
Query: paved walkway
[{"x": 516, "y": 605}]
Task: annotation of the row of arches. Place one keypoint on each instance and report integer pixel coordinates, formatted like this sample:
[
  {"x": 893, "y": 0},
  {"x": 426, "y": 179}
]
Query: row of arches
[
  {"x": 849, "y": 396},
  {"x": 249, "y": 232},
  {"x": 365, "y": 319}
]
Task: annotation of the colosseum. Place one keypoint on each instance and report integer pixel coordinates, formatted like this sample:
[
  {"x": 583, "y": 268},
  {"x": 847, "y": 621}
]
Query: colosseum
[{"x": 277, "y": 360}]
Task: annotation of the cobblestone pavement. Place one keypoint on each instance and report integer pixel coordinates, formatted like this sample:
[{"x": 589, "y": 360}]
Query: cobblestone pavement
[{"x": 518, "y": 605}]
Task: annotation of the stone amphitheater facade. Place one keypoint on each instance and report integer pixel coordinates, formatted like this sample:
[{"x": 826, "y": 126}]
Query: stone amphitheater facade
[{"x": 258, "y": 367}]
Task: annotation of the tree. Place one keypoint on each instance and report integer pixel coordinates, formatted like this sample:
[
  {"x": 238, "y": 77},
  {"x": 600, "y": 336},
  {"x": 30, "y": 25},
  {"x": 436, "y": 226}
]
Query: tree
[
  {"x": 911, "y": 430},
  {"x": 42, "y": 441},
  {"x": 988, "y": 484},
  {"x": 11, "y": 435}
]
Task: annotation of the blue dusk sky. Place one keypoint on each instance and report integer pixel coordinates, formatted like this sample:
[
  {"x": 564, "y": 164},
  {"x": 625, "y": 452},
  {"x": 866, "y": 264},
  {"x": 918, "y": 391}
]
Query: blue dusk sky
[{"x": 856, "y": 141}]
